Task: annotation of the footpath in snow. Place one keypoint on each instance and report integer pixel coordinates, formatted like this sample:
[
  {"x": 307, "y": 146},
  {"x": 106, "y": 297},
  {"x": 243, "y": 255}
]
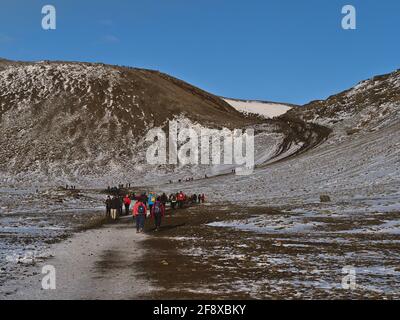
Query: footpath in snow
[{"x": 96, "y": 264}]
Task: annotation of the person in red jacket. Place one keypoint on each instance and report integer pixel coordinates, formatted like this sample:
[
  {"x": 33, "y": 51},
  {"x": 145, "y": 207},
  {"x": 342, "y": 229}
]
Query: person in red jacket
[
  {"x": 158, "y": 212},
  {"x": 139, "y": 212},
  {"x": 127, "y": 203},
  {"x": 180, "y": 199}
]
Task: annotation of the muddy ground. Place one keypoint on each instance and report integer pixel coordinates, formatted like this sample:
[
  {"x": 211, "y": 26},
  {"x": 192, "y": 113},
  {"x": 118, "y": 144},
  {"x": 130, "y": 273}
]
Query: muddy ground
[{"x": 189, "y": 259}]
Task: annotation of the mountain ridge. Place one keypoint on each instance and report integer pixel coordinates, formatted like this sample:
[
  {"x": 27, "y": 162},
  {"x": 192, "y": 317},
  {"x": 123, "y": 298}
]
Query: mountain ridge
[{"x": 68, "y": 121}]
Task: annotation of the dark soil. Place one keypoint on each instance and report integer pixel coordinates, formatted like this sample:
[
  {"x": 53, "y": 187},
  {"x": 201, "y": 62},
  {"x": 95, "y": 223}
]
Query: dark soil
[{"x": 187, "y": 259}]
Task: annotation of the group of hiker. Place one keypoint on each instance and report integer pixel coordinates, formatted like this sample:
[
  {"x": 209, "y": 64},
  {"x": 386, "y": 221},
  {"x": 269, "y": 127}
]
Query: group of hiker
[
  {"x": 180, "y": 199},
  {"x": 186, "y": 179},
  {"x": 151, "y": 205}
]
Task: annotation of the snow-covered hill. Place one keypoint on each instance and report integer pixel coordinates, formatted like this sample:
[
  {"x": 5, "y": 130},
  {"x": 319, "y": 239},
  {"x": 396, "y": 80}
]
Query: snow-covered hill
[
  {"x": 372, "y": 105},
  {"x": 360, "y": 156},
  {"x": 62, "y": 121},
  {"x": 262, "y": 108},
  {"x": 83, "y": 123}
]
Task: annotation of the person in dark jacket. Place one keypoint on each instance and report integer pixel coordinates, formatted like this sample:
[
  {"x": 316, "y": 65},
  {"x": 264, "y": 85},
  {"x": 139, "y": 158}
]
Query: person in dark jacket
[
  {"x": 164, "y": 199},
  {"x": 172, "y": 199},
  {"x": 143, "y": 198},
  {"x": 108, "y": 206},
  {"x": 121, "y": 205},
  {"x": 158, "y": 212},
  {"x": 115, "y": 206}
]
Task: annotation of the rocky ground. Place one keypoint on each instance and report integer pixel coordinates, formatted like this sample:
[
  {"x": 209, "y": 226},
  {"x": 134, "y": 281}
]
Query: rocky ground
[
  {"x": 232, "y": 252},
  {"x": 225, "y": 251}
]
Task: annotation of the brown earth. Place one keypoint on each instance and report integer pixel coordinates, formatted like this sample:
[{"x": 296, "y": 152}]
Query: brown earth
[{"x": 187, "y": 259}]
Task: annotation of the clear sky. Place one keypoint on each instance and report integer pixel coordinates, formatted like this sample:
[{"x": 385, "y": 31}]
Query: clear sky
[{"x": 279, "y": 50}]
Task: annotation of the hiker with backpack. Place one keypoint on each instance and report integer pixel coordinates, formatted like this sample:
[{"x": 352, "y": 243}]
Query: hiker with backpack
[
  {"x": 158, "y": 212},
  {"x": 139, "y": 213},
  {"x": 127, "y": 203}
]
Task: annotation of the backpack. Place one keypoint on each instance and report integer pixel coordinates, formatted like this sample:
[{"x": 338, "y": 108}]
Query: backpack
[
  {"x": 141, "y": 209},
  {"x": 157, "y": 208}
]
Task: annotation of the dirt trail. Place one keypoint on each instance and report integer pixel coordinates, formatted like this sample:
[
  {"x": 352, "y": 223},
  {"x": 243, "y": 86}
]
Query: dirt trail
[
  {"x": 96, "y": 264},
  {"x": 309, "y": 134}
]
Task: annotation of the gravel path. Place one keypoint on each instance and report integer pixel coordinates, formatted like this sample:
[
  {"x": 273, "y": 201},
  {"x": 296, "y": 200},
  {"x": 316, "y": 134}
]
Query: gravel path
[{"x": 96, "y": 264}]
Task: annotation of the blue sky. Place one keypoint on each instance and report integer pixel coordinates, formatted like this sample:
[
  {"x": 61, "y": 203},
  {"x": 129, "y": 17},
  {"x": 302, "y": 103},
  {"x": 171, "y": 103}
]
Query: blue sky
[{"x": 279, "y": 50}]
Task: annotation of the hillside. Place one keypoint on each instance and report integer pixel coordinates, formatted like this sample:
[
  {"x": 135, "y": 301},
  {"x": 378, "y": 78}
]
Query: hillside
[
  {"x": 68, "y": 123},
  {"x": 360, "y": 154},
  {"x": 371, "y": 105},
  {"x": 64, "y": 120}
]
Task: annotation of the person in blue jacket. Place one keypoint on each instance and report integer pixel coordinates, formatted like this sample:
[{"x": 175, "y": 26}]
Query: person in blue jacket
[{"x": 151, "y": 200}]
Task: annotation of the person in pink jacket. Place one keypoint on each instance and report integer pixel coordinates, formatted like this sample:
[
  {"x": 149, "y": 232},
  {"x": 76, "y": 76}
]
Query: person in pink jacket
[
  {"x": 158, "y": 212},
  {"x": 139, "y": 212}
]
